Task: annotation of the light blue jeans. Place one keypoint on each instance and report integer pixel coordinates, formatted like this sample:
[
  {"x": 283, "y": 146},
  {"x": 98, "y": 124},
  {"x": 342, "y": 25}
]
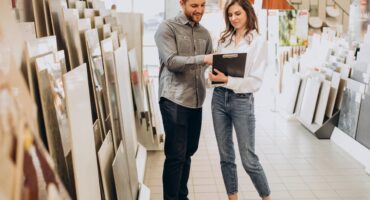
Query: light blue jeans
[{"x": 230, "y": 109}]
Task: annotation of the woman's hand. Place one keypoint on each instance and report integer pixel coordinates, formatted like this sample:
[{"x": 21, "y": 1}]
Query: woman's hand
[
  {"x": 219, "y": 77},
  {"x": 208, "y": 59}
]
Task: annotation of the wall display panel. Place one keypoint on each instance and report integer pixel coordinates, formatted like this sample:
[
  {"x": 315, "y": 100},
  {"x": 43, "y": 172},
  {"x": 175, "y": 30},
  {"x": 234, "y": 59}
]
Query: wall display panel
[
  {"x": 121, "y": 172},
  {"x": 112, "y": 88},
  {"x": 127, "y": 113},
  {"x": 293, "y": 28},
  {"x": 82, "y": 134},
  {"x": 309, "y": 100},
  {"x": 106, "y": 155},
  {"x": 322, "y": 102}
]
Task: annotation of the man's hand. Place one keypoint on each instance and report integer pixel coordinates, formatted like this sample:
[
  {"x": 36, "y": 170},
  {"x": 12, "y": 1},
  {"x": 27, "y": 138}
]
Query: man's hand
[
  {"x": 208, "y": 59},
  {"x": 219, "y": 77}
]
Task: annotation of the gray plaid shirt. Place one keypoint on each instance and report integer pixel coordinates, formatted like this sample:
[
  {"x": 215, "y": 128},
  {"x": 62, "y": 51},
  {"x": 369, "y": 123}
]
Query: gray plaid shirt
[{"x": 182, "y": 45}]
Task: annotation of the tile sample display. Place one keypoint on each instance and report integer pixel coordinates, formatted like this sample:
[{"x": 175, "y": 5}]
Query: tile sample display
[
  {"x": 82, "y": 134},
  {"x": 121, "y": 174},
  {"x": 322, "y": 102},
  {"x": 105, "y": 155},
  {"x": 310, "y": 100}
]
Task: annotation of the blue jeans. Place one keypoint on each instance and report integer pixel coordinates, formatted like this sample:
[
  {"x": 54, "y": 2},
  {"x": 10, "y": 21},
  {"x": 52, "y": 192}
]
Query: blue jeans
[{"x": 230, "y": 109}]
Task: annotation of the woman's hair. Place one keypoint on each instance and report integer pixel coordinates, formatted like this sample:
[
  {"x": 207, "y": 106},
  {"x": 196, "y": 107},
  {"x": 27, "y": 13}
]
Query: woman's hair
[{"x": 252, "y": 23}]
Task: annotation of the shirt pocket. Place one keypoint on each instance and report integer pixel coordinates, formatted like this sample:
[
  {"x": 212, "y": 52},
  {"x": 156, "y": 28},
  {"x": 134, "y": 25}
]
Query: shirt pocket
[
  {"x": 184, "y": 45},
  {"x": 201, "y": 46}
]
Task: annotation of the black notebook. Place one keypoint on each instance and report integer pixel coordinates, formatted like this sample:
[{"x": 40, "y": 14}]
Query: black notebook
[{"x": 232, "y": 64}]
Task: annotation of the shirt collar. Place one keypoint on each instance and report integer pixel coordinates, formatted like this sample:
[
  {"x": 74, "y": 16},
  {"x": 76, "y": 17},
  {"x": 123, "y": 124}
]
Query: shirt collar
[{"x": 184, "y": 20}]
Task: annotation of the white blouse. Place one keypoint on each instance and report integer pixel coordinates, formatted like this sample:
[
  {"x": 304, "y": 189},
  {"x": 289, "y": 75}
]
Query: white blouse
[{"x": 256, "y": 48}]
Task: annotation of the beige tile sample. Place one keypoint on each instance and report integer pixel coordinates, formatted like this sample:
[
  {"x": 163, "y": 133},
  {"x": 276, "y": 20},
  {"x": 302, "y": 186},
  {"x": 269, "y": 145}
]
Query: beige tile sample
[
  {"x": 335, "y": 80},
  {"x": 82, "y": 134},
  {"x": 121, "y": 174},
  {"x": 322, "y": 102},
  {"x": 106, "y": 155}
]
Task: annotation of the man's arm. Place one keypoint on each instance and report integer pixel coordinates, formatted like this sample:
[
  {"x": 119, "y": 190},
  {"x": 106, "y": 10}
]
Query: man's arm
[{"x": 167, "y": 48}]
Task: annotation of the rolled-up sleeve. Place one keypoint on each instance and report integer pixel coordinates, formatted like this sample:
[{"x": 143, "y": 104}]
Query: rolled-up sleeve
[
  {"x": 256, "y": 62},
  {"x": 166, "y": 42}
]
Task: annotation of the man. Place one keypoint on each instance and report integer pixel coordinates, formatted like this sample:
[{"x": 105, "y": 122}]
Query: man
[{"x": 182, "y": 44}]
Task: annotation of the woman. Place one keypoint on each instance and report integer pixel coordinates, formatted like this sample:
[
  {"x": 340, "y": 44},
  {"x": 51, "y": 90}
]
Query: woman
[{"x": 233, "y": 103}]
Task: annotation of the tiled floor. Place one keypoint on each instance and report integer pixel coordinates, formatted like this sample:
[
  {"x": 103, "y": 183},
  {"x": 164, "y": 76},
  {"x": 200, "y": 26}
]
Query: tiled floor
[{"x": 297, "y": 164}]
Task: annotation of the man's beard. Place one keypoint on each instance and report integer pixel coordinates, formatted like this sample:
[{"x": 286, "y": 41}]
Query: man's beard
[{"x": 191, "y": 17}]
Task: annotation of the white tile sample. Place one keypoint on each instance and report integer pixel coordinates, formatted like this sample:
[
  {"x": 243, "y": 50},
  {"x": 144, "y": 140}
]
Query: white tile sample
[{"x": 310, "y": 100}]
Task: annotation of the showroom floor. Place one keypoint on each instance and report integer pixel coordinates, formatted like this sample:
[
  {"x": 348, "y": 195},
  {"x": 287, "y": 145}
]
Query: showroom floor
[{"x": 297, "y": 164}]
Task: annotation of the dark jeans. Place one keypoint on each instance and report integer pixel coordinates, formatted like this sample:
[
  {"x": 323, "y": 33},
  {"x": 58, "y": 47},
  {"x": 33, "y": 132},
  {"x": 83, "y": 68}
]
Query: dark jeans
[{"x": 182, "y": 127}]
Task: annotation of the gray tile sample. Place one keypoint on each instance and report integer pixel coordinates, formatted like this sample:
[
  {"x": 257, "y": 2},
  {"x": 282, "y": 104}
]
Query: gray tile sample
[
  {"x": 121, "y": 174},
  {"x": 351, "y": 104},
  {"x": 105, "y": 155},
  {"x": 363, "y": 127},
  {"x": 82, "y": 134}
]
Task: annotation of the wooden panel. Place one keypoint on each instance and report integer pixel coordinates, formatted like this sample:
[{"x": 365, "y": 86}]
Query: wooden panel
[
  {"x": 322, "y": 102},
  {"x": 106, "y": 154},
  {"x": 121, "y": 174},
  {"x": 82, "y": 134}
]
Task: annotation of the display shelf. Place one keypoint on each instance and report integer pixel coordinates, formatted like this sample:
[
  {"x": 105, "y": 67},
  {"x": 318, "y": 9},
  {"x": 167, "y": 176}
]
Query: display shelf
[{"x": 325, "y": 130}]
